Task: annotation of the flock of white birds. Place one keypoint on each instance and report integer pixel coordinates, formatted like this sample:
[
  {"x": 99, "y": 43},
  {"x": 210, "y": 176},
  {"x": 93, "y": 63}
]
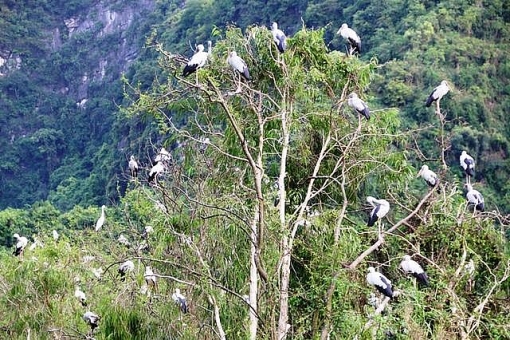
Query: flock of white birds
[{"x": 380, "y": 207}]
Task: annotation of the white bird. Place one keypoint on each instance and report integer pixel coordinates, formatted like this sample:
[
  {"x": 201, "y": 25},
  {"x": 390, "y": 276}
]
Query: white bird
[
  {"x": 125, "y": 268},
  {"x": 55, "y": 235},
  {"x": 35, "y": 244},
  {"x": 21, "y": 243},
  {"x": 157, "y": 169},
  {"x": 133, "y": 166},
  {"x": 80, "y": 295},
  {"x": 352, "y": 37},
  {"x": 123, "y": 240},
  {"x": 428, "y": 175},
  {"x": 162, "y": 155},
  {"x": 412, "y": 267},
  {"x": 467, "y": 163},
  {"x": 91, "y": 319},
  {"x": 438, "y": 93},
  {"x": 180, "y": 300},
  {"x": 381, "y": 208},
  {"x": 238, "y": 64},
  {"x": 279, "y": 37},
  {"x": 474, "y": 197},
  {"x": 149, "y": 276},
  {"x": 101, "y": 219},
  {"x": 359, "y": 105},
  {"x": 147, "y": 230},
  {"x": 198, "y": 60},
  {"x": 97, "y": 272},
  {"x": 380, "y": 282}
]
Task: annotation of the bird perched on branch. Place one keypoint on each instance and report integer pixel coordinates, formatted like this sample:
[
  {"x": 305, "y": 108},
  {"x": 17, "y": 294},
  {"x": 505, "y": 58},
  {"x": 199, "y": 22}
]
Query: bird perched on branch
[
  {"x": 352, "y": 37},
  {"x": 381, "y": 208},
  {"x": 133, "y": 166},
  {"x": 239, "y": 65},
  {"x": 359, "y": 105},
  {"x": 412, "y": 267},
  {"x": 21, "y": 243},
  {"x": 198, "y": 60},
  {"x": 279, "y": 37},
  {"x": 125, "y": 268},
  {"x": 438, "y": 93},
  {"x": 156, "y": 170},
  {"x": 149, "y": 276},
  {"x": 101, "y": 219},
  {"x": 180, "y": 300},
  {"x": 428, "y": 175},
  {"x": 163, "y": 155},
  {"x": 91, "y": 319},
  {"x": 467, "y": 163},
  {"x": 380, "y": 282},
  {"x": 474, "y": 197}
]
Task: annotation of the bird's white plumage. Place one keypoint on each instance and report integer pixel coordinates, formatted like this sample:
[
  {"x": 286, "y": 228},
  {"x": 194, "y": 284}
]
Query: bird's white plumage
[
  {"x": 133, "y": 166},
  {"x": 123, "y": 240},
  {"x": 21, "y": 243},
  {"x": 126, "y": 267},
  {"x": 163, "y": 155},
  {"x": 180, "y": 300},
  {"x": 80, "y": 295},
  {"x": 359, "y": 105},
  {"x": 384, "y": 206},
  {"x": 238, "y": 64},
  {"x": 438, "y": 93},
  {"x": 198, "y": 60},
  {"x": 91, "y": 319},
  {"x": 149, "y": 276},
  {"x": 350, "y": 35},
  {"x": 474, "y": 197},
  {"x": 279, "y": 37},
  {"x": 156, "y": 170},
  {"x": 381, "y": 209},
  {"x": 101, "y": 219},
  {"x": 467, "y": 162},
  {"x": 428, "y": 175},
  {"x": 55, "y": 235},
  {"x": 376, "y": 279},
  {"x": 410, "y": 266}
]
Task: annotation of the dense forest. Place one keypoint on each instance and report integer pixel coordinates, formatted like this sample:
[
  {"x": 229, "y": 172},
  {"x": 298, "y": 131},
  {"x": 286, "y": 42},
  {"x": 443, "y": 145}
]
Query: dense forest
[{"x": 259, "y": 212}]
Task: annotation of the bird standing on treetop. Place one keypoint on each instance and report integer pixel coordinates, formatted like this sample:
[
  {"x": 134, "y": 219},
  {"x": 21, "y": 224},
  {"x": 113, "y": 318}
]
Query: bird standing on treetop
[
  {"x": 133, "y": 166},
  {"x": 380, "y": 282},
  {"x": 475, "y": 197},
  {"x": 279, "y": 38},
  {"x": 467, "y": 163},
  {"x": 238, "y": 64},
  {"x": 162, "y": 155},
  {"x": 352, "y": 37},
  {"x": 412, "y": 267},
  {"x": 180, "y": 300},
  {"x": 381, "y": 208},
  {"x": 438, "y": 93},
  {"x": 198, "y": 60},
  {"x": 428, "y": 175},
  {"x": 21, "y": 243},
  {"x": 101, "y": 219},
  {"x": 358, "y": 105}
]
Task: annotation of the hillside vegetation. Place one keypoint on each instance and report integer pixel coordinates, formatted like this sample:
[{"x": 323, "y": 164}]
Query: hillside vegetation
[{"x": 260, "y": 216}]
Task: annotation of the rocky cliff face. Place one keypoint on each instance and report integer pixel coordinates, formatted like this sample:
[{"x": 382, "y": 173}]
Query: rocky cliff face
[{"x": 59, "y": 68}]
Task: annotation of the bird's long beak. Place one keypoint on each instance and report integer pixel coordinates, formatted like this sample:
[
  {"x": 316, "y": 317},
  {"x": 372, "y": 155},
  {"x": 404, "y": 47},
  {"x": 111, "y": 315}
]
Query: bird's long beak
[{"x": 419, "y": 174}]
